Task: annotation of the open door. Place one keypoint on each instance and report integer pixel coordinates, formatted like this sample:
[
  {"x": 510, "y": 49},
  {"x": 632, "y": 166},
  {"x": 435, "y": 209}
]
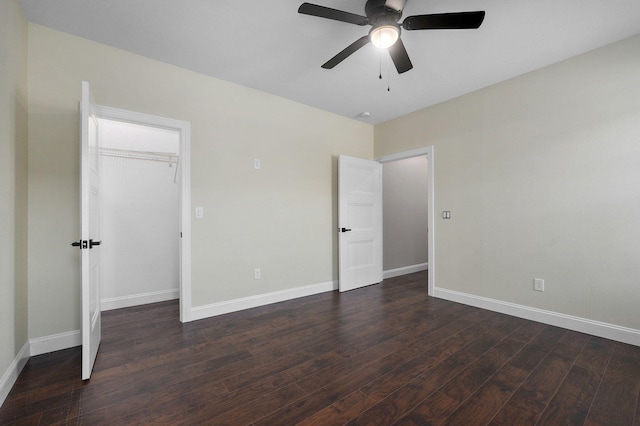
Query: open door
[
  {"x": 359, "y": 222},
  {"x": 89, "y": 231}
]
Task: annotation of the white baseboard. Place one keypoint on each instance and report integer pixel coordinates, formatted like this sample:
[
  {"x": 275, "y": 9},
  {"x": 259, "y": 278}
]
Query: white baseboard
[
  {"x": 583, "y": 325},
  {"x": 214, "y": 309},
  {"x": 405, "y": 270},
  {"x": 138, "y": 299},
  {"x": 55, "y": 342},
  {"x": 11, "y": 375}
]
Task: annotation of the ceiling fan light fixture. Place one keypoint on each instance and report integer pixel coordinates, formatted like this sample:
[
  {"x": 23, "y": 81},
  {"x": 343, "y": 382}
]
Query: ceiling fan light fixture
[{"x": 384, "y": 36}]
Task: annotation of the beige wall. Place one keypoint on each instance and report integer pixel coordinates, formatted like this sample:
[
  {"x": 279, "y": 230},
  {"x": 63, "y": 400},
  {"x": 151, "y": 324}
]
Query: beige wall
[
  {"x": 280, "y": 218},
  {"x": 13, "y": 182},
  {"x": 404, "y": 200},
  {"x": 541, "y": 174}
]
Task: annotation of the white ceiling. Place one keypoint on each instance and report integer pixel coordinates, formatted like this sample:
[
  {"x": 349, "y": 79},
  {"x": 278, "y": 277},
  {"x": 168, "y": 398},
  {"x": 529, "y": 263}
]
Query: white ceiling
[{"x": 267, "y": 45}]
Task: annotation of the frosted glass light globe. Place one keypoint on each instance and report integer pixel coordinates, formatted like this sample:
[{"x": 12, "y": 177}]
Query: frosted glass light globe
[{"x": 384, "y": 36}]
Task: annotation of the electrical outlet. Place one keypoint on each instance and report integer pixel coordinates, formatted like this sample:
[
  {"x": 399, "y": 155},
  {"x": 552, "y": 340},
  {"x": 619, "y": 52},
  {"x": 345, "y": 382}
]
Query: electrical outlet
[
  {"x": 538, "y": 284},
  {"x": 257, "y": 274}
]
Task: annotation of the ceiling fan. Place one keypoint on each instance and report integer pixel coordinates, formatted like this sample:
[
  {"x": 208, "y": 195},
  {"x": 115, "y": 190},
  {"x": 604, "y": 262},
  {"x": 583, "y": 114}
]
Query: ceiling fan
[{"x": 383, "y": 16}]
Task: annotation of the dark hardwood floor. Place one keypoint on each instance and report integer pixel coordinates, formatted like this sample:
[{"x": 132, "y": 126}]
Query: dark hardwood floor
[{"x": 382, "y": 355}]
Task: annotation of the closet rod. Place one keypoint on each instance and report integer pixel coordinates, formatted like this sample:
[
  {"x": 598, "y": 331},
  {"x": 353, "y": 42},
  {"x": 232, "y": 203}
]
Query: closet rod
[{"x": 141, "y": 155}]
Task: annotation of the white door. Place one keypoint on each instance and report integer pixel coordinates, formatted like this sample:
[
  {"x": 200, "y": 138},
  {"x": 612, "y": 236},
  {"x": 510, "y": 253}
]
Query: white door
[
  {"x": 89, "y": 231},
  {"x": 359, "y": 222}
]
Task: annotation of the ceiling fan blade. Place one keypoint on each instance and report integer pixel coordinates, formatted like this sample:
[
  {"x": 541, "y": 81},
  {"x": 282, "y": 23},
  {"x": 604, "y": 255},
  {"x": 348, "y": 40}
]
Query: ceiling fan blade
[
  {"x": 348, "y": 51},
  {"x": 335, "y": 14},
  {"x": 400, "y": 57},
  {"x": 444, "y": 21},
  {"x": 396, "y": 5}
]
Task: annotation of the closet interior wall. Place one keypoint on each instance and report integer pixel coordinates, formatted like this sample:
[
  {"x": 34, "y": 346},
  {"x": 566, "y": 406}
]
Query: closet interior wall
[{"x": 140, "y": 220}]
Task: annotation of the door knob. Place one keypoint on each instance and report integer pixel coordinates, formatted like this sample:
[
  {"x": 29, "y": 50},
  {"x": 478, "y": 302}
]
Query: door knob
[
  {"x": 345, "y": 230},
  {"x": 82, "y": 244}
]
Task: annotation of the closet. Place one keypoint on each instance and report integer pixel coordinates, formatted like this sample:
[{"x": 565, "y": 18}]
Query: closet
[{"x": 140, "y": 214}]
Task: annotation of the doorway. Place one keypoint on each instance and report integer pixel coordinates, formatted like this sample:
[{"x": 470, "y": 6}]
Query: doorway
[
  {"x": 429, "y": 163},
  {"x": 140, "y": 212},
  {"x": 147, "y": 160},
  {"x": 405, "y": 225}
]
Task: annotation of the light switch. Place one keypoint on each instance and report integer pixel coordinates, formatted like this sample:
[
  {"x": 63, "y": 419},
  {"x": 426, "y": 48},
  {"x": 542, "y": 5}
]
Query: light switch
[
  {"x": 199, "y": 212},
  {"x": 256, "y": 163}
]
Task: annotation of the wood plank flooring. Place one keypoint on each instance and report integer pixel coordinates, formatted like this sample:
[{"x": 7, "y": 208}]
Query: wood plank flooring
[{"x": 382, "y": 355}]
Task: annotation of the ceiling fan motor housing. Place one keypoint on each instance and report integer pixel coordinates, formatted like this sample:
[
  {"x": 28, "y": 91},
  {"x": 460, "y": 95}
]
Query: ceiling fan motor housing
[{"x": 378, "y": 14}]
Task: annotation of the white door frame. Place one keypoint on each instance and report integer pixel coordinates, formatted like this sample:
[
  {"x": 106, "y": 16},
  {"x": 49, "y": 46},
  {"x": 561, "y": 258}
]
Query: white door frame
[
  {"x": 420, "y": 152},
  {"x": 184, "y": 130}
]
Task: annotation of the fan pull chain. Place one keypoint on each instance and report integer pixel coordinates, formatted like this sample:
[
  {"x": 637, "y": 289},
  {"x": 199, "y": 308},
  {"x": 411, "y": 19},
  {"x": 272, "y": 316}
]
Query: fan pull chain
[
  {"x": 388, "y": 77},
  {"x": 386, "y": 71}
]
